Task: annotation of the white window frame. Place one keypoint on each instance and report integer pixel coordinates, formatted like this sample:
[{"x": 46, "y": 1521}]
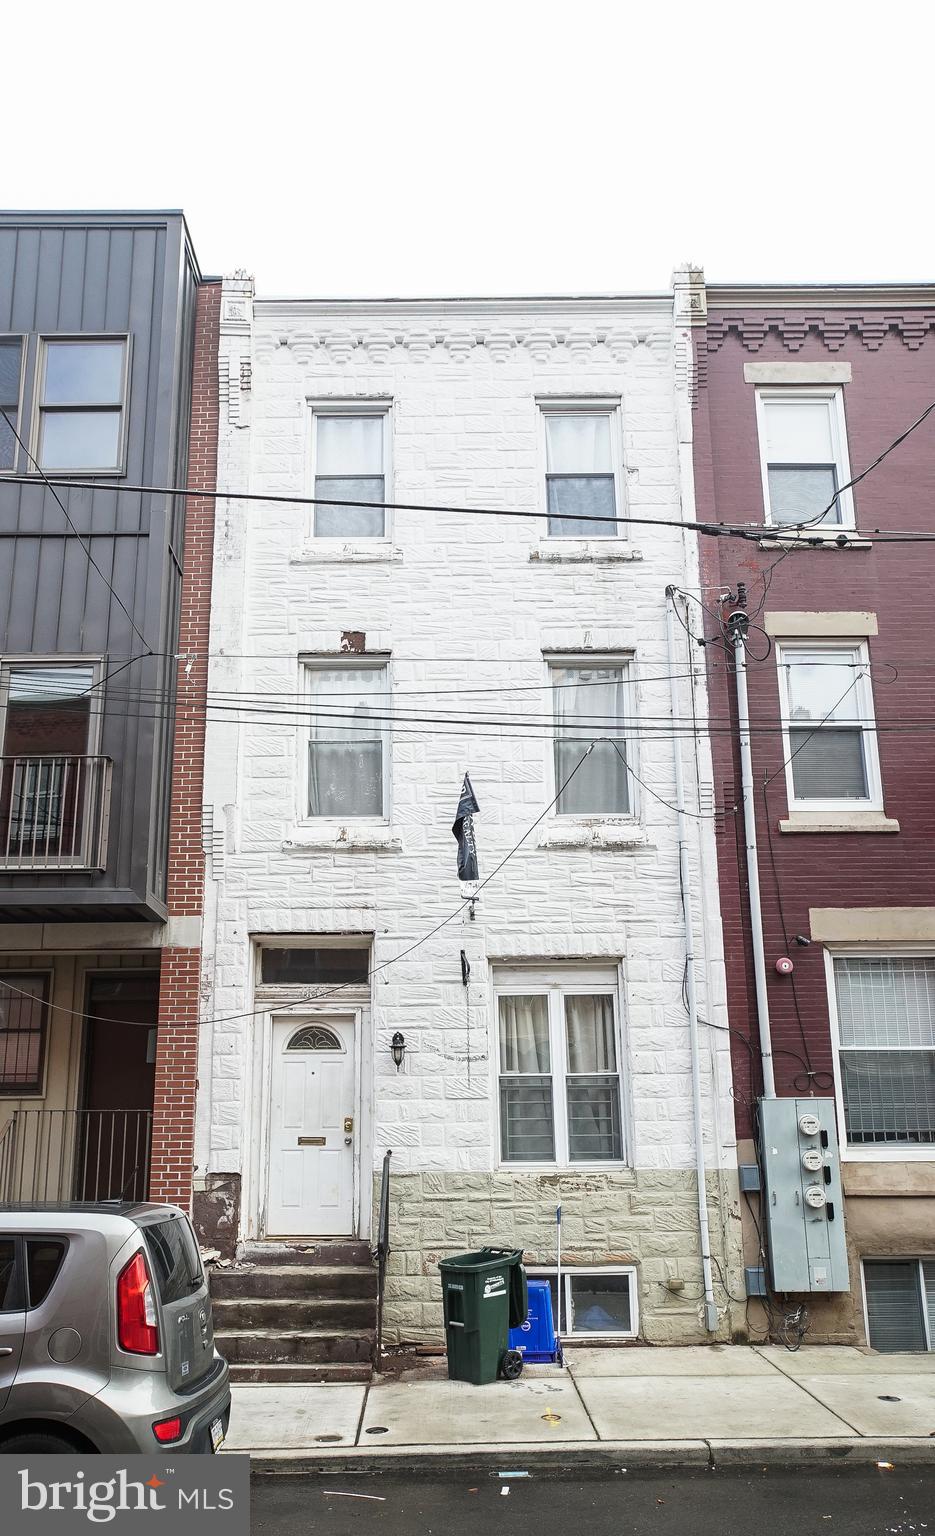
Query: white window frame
[
  {"x": 343, "y": 663},
  {"x": 896, "y": 1152},
  {"x": 859, "y": 652},
  {"x": 898, "y": 1258},
  {"x": 834, "y": 396},
  {"x": 578, "y": 405},
  {"x": 554, "y": 983},
  {"x": 23, "y": 341},
  {"x": 584, "y": 1272},
  {"x": 350, "y": 407},
  {"x": 122, "y": 411},
  {"x": 586, "y": 661}
]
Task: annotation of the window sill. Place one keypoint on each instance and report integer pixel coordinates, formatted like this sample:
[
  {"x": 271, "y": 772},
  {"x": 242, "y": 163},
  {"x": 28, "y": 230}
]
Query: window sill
[
  {"x": 894, "y": 1153},
  {"x": 347, "y": 839},
  {"x": 815, "y": 538},
  {"x": 584, "y": 552},
  {"x": 363, "y": 552},
  {"x": 838, "y": 821},
  {"x": 570, "y": 1170},
  {"x": 595, "y": 834}
]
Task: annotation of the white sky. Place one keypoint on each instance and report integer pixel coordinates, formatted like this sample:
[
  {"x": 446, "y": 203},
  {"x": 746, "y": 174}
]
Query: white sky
[{"x": 408, "y": 148}]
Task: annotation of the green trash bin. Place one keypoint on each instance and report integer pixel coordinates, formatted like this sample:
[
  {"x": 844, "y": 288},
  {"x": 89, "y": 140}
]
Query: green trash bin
[{"x": 484, "y": 1295}]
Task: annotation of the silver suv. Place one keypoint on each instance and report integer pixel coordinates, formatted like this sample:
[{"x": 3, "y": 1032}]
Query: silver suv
[{"x": 106, "y": 1337}]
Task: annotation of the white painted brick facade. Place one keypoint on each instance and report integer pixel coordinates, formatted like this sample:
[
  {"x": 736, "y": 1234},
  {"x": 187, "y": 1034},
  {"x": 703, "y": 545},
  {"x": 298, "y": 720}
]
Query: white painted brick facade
[{"x": 458, "y": 602}]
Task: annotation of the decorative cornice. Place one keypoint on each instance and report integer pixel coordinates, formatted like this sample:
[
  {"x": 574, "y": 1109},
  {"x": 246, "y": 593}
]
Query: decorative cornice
[
  {"x": 462, "y": 309},
  {"x": 500, "y": 343},
  {"x": 820, "y": 296},
  {"x": 831, "y": 327}
]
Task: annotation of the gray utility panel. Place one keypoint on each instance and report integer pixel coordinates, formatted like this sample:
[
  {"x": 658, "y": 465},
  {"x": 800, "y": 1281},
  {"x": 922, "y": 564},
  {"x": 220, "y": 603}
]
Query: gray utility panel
[{"x": 802, "y": 1199}]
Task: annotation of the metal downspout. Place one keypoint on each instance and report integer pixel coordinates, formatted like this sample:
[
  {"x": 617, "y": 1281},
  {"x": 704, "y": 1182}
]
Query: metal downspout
[{"x": 710, "y": 1307}]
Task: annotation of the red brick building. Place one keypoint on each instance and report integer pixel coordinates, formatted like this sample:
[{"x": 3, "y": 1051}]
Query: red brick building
[{"x": 797, "y": 391}]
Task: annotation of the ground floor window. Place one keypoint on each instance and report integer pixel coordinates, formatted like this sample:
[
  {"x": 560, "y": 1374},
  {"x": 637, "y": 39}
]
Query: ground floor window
[
  {"x": 900, "y": 1295},
  {"x": 596, "y": 1303}
]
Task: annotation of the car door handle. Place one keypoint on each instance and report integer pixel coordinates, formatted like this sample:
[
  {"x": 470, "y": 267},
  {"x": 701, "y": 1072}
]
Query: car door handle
[{"x": 6, "y": 1351}]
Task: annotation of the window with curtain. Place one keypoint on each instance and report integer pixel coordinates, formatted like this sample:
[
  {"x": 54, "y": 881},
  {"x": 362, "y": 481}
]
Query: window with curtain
[
  {"x": 590, "y": 702},
  {"x": 559, "y": 1077},
  {"x": 81, "y": 404},
  {"x": 580, "y": 478},
  {"x": 830, "y": 733},
  {"x": 886, "y": 1044},
  {"x": 348, "y": 741},
  {"x": 11, "y": 367},
  {"x": 350, "y": 465},
  {"x": 804, "y": 458},
  {"x": 23, "y": 1024},
  {"x": 900, "y": 1303}
]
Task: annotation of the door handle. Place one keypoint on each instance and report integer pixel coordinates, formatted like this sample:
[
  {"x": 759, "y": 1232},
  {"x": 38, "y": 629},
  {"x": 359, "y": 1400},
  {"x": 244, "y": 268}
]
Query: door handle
[
  {"x": 6, "y": 1351},
  {"x": 348, "y": 1140}
]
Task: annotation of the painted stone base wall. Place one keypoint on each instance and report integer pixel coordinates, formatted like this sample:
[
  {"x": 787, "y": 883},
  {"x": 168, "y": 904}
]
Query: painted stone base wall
[{"x": 647, "y": 1218}]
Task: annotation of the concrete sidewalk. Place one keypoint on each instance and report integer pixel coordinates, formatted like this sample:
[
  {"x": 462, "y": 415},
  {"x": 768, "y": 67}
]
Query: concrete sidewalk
[{"x": 641, "y": 1406}]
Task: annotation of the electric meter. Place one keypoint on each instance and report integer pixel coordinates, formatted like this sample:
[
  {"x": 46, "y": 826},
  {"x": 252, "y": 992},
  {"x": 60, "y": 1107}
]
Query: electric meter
[
  {"x": 812, "y": 1159},
  {"x": 809, "y": 1125},
  {"x": 815, "y": 1196}
]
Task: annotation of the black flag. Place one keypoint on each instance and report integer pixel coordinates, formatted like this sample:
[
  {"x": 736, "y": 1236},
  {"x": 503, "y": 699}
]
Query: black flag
[{"x": 463, "y": 830}]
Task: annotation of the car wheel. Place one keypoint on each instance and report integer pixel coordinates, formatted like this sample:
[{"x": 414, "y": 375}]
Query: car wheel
[{"x": 39, "y": 1443}]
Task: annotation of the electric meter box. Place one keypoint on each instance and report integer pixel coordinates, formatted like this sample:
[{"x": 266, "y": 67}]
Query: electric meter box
[{"x": 802, "y": 1200}]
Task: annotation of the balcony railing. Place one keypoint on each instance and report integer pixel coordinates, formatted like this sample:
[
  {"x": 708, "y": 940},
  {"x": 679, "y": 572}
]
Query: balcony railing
[
  {"x": 54, "y": 812},
  {"x": 75, "y": 1154}
]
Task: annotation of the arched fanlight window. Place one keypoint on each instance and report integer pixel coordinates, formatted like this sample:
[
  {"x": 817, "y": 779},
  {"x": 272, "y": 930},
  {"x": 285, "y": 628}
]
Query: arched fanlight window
[{"x": 314, "y": 1037}]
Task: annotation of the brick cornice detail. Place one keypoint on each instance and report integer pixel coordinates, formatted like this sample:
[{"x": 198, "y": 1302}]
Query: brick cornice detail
[{"x": 831, "y": 328}]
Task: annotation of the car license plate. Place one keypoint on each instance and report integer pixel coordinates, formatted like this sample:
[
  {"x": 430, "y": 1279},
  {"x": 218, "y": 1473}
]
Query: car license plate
[{"x": 217, "y": 1434}]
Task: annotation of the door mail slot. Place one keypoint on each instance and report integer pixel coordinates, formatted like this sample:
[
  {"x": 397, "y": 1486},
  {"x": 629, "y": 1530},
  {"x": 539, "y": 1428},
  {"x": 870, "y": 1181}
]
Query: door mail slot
[{"x": 311, "y": 1141}]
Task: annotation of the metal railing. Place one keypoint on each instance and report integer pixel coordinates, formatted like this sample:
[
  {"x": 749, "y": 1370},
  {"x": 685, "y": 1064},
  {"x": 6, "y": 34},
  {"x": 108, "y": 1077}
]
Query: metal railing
[
  {"x": 75, "y": 1154},
  {"x": 54, "y": 812},
  {"x": 382, "y": 1250}
]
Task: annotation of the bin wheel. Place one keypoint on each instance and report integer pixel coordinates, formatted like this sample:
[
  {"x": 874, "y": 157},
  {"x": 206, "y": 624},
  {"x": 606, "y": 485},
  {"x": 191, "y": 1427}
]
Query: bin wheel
[{"x": 511, "y": 1365}]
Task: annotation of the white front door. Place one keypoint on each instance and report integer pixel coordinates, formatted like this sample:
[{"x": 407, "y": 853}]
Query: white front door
[{"x": 312, "y": 1133}]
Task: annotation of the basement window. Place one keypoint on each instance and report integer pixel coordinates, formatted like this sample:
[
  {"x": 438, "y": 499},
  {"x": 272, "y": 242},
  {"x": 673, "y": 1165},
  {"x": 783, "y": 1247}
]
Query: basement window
[
  {"x": 596, "y": 1303},
  {"x": 900, "y": 1297}
]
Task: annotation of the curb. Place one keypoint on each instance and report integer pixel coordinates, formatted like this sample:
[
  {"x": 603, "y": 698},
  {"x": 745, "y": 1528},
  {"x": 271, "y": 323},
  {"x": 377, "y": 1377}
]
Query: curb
[{"x": 609, "y": 1458}]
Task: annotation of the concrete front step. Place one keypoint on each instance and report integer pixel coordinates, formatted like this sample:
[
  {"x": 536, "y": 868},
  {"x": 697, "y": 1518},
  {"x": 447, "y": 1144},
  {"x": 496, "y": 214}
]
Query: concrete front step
[
  {"x": 294, "y": 1280},
  {"x": 328, "y": 1251},
  {"x": 289, "y": 1313},
  {"x": 278, "y": 1373},
  {"x": 309, "y": 1346}
]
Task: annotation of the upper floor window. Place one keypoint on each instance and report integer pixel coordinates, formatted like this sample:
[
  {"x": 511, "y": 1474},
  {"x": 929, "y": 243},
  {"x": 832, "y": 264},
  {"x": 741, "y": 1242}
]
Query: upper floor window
[
  {"x": 582, "y": 480},
  {"x": 885, "y": 1011},
  {"x": 81, "y": 394},
  {"x": 803, "y": 456},
  {"x": 348, "y": 757},
  {"x": 350, "y": 451},
  {"x": 829, "y": 735},
  {"x": 589, "y": 702},
  {"x": 11, "y": 373},
  {"x": 558, "y": 1072}
]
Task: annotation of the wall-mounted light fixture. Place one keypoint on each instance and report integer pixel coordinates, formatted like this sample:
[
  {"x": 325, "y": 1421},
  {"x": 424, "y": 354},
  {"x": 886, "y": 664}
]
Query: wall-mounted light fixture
[{"x": 398, "y": 1048}]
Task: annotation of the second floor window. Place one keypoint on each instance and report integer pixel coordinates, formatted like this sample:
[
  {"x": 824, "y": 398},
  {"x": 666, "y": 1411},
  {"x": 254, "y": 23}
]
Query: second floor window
[
  {"x": 349, "y": 452},
  {"x": 82, "y": 386},
  {"x": 590, "y": 702},
  {"x": 581, "y": 473},
  {"x": 348, "y": 758},
  {"x": 803, "y": 455},
  {"x": 829, "y": 733},
  {"x": 11, "y": 368}
]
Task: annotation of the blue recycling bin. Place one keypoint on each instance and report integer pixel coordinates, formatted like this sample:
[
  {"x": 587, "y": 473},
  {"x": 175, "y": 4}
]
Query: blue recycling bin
[{"x": 535, "y": 1338}]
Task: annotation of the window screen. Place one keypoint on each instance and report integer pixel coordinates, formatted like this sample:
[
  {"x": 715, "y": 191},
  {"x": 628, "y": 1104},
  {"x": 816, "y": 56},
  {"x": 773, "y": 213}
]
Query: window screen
[
  {"x": 526, "y": 1110},
  {"x": 801, "y": 459},
  {"x": 886, "y": 1028},
  {"x": 310, "y": 967},
  {"x": 347, "y": 743},
  {"x": 829, "y": 720},
  {"x": 580, "y": 484},
  {"x": 349, "y": 466}
]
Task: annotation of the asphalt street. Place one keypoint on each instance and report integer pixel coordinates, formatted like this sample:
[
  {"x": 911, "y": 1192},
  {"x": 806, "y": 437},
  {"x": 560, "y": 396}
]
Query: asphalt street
[{"x": 809, "y": 1501}]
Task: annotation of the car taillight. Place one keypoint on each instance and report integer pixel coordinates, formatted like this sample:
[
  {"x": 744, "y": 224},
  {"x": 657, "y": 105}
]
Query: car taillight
[
  {"x": 167, "y": 1430},
  {"x": 137, "y": 1328}
]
